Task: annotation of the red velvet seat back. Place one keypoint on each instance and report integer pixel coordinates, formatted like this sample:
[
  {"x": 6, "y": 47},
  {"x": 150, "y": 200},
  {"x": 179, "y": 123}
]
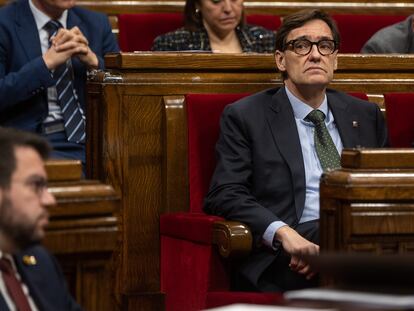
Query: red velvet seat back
[
  {"x": 355, "y": 29},
  {"x": 138, "y": 31},
  {"x": 271, "y": 22},
  {"x": 203, "y": 115},
  {"x": 400, "y": 118},
  {"x": 359, "y": 95}
]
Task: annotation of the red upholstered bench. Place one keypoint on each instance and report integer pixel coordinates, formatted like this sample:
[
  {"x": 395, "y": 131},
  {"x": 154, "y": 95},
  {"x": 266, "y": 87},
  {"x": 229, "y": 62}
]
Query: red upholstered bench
[
  {"x": 399, "y": 109},
  {"x": 355, "y": 29},
  {"x": 138, "y": 31}
]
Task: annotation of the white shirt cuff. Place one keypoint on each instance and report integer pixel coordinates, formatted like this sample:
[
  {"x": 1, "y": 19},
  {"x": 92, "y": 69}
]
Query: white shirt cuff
[{"x": 269, "y": 234}]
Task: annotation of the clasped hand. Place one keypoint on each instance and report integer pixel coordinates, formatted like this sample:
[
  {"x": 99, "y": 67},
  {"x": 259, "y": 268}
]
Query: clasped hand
[
  {"x": 297, "y": 246},
  {"x": 67, "y": 43}
]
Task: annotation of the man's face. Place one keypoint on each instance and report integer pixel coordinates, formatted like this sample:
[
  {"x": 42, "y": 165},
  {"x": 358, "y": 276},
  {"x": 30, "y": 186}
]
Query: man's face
[
  {"x": 23, "y": 214},
  {"x": 54, "y": 8},
  {"x": 312, "y": 69}
]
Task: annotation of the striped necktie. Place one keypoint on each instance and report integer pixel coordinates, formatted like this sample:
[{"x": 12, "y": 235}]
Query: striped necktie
[
  {"x": 14, "y": 286},
  {"x": 72, "y": 112},
  {"x": 325, "y": 148}
]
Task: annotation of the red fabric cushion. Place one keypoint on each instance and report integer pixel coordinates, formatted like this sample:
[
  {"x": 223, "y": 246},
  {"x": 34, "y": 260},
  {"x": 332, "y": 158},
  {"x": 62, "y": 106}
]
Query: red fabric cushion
[
  {"x": 138, "y": 31},
  {"x": 203, "y": 113},
  {"x": 188, "y": 272},
  {"x": 399, "y": 109},
  {"x": 356, "y": 29},
  {"x": 195, "y": 227},
  {"x": 271, "y": 22},
  {"x": 359, "y": 95},
  {"x": 216, "y": 299}
]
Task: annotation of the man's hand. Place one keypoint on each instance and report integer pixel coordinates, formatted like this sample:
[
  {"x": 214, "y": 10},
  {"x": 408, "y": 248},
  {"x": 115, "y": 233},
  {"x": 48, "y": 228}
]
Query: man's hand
[
  {"x": 68, "y": 43},
  {"x": 297, "y": 246}
]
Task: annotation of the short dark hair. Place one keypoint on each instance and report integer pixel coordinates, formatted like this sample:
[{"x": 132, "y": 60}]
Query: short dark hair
[
  {"x": 300, "y": 18},
  {"x": 193, "y": 19},
  {"x": 10, "y": 139}
]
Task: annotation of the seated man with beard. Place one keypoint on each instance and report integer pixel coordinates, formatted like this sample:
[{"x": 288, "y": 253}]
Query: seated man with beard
[{"x": 30, "y": 278}]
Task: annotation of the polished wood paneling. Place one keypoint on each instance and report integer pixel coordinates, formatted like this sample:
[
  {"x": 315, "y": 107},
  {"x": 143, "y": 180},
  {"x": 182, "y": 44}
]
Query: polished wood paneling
[
  {"x": 84, "y": 234},
  {"x": 368, "y": 205}
]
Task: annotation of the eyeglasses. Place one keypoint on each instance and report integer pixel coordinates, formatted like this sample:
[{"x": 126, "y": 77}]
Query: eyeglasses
[{"x": 304, "y": 46}]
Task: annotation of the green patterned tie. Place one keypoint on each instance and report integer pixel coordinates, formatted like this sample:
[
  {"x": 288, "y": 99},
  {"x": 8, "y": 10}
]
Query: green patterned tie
[{"x": 325, "y": 148}]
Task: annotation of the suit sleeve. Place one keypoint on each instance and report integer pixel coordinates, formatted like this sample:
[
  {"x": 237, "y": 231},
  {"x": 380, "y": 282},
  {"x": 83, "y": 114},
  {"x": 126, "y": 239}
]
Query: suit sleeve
[
  {"x": 230, "y": 194},
  {"x": 109, "y": 43},
  {"x": 69, "y": 303},
  {"x": 31, "y": 79}
]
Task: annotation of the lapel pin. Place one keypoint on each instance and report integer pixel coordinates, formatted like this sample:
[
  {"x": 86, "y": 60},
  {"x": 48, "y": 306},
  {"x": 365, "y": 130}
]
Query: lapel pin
[
  {"x": 355, "y": 124},
  {"x": 29, "y": 260}
]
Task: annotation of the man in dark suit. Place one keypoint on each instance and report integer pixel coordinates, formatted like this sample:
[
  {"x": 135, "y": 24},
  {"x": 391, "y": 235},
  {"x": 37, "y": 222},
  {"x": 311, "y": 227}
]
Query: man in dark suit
[
  {"x": 274, "y": 146},
  {"x": 31, "y": 53},
  {"x": 24, "y": 199}
]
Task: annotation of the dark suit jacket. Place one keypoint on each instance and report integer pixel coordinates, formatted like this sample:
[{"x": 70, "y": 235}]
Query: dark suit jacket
[
  {"x": 260, "y": 175},
  {"x": 45, "y": 281},
  {"x": 24, "y": 77}
]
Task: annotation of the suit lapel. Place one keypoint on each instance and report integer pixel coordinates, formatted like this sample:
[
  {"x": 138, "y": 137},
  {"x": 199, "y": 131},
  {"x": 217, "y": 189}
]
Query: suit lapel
[
  {"x": 74, "y": 20},
  {"x": 285, "y": 133},
  {"x": 32, "y": 279},
  {"x": 346, "y": 121},
  {"x": 26, "y": 30}
]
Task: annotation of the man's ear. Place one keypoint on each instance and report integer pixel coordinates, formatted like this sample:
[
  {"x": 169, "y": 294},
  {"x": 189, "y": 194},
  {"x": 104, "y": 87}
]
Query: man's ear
[
  {"x": 280, "y": 61},
  {"x": 336, "y": 62}
]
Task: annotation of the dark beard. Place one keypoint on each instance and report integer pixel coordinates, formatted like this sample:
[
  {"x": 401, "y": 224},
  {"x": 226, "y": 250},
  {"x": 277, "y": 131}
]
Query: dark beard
[{"x": 20, "y": 234}]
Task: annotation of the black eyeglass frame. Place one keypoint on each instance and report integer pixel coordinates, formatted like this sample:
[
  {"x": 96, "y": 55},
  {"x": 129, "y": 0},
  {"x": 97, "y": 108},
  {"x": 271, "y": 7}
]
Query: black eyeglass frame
[{"x": 312, "y": 43}]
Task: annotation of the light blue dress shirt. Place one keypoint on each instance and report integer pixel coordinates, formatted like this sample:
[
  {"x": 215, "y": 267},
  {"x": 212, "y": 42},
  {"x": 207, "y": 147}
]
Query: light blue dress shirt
[{"x": 313, "y": 169}]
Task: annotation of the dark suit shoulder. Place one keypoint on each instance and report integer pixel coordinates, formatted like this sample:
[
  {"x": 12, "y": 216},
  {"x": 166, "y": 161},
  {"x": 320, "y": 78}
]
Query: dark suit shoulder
[
  {"x": 7, "y": 12},
  {"x": 252, "y": 102}
]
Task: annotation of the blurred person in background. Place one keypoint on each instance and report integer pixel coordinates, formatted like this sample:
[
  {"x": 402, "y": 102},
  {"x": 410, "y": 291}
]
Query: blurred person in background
[
  {"x": 217, "y": 26},
  {"x": 397, "y": 38}
]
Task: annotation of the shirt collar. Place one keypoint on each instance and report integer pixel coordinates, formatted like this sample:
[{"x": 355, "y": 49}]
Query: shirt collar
[
  {"x": 301, "y": 109},
  {"x": 41, "y": 18}
]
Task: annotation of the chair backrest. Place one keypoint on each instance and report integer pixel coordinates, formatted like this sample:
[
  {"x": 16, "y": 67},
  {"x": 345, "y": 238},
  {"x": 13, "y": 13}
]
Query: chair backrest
[
  {"x": 355, "y": 29},
  {"x": 138, "y": 31},
  {"x": 271, "y": 22},
  {"x": 203, "y": 121},
  {"x": 359, "y": 95},
  {"x": 400, "y": 118}
]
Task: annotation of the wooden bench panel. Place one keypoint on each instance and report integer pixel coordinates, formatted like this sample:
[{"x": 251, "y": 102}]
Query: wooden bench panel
[{"x": 83, "y": 234}]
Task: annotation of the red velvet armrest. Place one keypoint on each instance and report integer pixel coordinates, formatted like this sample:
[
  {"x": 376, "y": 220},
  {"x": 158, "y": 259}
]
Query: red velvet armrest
[{"x": 195, "y": 227}]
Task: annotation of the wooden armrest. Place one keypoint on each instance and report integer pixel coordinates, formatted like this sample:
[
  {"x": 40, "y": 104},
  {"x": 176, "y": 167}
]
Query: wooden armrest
[
  {"x": 233, "y": 239},
  {"x": 63, "y": 170}
]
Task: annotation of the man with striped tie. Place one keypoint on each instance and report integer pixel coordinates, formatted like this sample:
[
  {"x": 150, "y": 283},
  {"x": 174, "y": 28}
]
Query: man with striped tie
[{"x": 46, "y": 48}]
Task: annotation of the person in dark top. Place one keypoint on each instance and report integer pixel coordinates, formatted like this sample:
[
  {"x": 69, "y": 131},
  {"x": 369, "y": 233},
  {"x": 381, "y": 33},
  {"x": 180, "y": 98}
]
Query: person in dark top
[
  {"x": 397, "y": 38},
  {"x": 217, "y": 26}
]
